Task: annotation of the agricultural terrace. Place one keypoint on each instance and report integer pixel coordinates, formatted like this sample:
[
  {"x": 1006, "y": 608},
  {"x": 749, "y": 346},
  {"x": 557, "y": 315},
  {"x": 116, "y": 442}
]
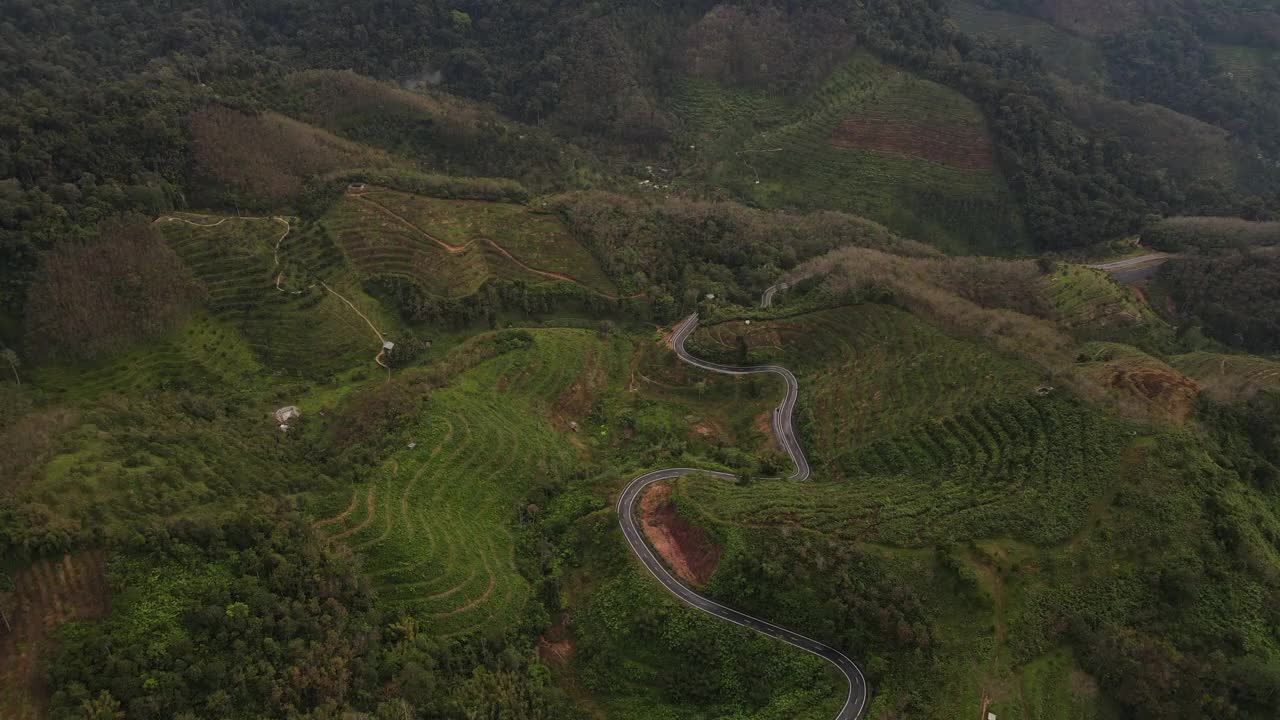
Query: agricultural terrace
[
  {"x": 1251, "y": 67},
  {"x": 870, "y": 373},
  {"x": 916, "y": 438},
  {"x": 1087, "y": 300},
  {"x": 451, "y": 247},
  {"x": 274, "y": 280},
  {"x": 47, "y": 593},
  {"x": 872, "y": 140},
  {"x": 1230, "y": 376},
  {"x": 434, "y": 522}
]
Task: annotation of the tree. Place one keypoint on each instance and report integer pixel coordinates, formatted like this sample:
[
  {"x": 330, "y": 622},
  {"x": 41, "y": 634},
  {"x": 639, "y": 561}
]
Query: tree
[
  {"x": 103, "y": 707},
  {"x": 10, "y": 356}
]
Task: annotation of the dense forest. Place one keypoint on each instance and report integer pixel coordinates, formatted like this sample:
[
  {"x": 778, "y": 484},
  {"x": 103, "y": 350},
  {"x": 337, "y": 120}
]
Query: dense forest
[{"x": 97, "y": 96}]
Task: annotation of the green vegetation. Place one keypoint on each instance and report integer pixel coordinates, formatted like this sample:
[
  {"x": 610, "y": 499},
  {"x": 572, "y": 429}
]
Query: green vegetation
[
  {"x": 1229, "y": 376},
  {"x": 870, "y": 140},
  {"x": 1208, "y": 234},
  {"x": 1092, "y": 306},
  {"x": 432, "y": 522},
  {"x": 1034, "y": 493},
  {"x": 1071, "y": 56}
]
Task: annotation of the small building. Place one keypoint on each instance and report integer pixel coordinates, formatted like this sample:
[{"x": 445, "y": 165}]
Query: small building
[{"x": 388, "y": 346}]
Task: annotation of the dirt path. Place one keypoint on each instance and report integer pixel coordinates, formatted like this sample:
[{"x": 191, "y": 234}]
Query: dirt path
[{"x": 381, "y": 340}]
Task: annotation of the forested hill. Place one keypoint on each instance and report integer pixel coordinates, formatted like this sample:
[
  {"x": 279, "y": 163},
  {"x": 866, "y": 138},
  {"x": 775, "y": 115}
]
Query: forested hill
[{"x": 95, "y": 99}]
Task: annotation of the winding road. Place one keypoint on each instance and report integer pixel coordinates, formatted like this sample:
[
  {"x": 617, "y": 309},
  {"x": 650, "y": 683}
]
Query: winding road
[{"x": 783, "y": 428}]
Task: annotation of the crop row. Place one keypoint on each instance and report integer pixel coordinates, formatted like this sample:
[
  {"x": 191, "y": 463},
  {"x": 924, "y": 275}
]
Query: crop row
[{"x": 434, "y": 524}]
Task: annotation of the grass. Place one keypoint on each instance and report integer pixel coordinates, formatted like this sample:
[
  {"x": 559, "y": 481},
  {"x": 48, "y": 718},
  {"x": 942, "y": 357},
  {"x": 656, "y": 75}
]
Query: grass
[
  {"x": 434, "y": 524},
  {"x": 780, "y": 156},
  {"x": 402, "y": 236}
]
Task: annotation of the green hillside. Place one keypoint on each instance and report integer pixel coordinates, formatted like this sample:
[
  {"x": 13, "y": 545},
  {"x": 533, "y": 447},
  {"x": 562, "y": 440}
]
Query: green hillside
[{"x": 871, "y": 140}]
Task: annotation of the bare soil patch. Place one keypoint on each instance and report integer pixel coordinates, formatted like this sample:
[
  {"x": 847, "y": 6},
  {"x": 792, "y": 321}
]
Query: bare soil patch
[
  {"x": 764, "y": 424},
  {"x": 1166, "y": 391},
  {"x": 45, "y": 595},
  {"x": 686, "y": 548},
  {"x": 958, "y": 146}
]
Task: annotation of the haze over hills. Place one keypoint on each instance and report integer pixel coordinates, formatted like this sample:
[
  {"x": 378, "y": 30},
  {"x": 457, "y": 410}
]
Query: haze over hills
[{"x": 403, "y": 360}]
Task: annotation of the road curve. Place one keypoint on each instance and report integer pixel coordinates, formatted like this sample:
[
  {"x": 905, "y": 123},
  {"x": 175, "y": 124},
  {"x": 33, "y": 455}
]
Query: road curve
[{"x": 856, "y": 700}]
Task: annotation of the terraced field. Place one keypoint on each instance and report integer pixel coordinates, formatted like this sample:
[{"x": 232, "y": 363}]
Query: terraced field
[
  {"x": 869, "y": 372},
  {"x": 1229, "y": 375},
  {"x": 206, "y": 353},
  {"x": 1087, "y": 300},
  {"x": 872, "y": 140},
  {"x": 1249, "y": 66},
  {"x": 434, "y": 523},
  {"x": 275, "y": 284},
  {"x": 922, "y": 439},
  {"x": 451, "y": 247}
]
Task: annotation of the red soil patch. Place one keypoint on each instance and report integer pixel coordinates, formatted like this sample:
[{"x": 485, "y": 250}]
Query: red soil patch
[
  {"x": 764, "y": 424},
  {"x": 958, "y": 146},
  {"x": 576, "y": 399},
  {"x": 45, "y": 595},
  {"x": 683, "y": 546},
  {"x": 554, "y": 646}
]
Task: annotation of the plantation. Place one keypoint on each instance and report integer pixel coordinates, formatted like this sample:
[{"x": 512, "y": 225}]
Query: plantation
[
  {"x": 433, "y": 523},
  {"x": 450, "y": 248},
  {"x": 871, "y": 140},
  {"x": 1229, "y": 376},
  {"x": 1091, "y": 305}
]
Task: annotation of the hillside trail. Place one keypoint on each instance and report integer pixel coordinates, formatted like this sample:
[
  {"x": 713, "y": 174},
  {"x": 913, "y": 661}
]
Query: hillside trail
[
  {"x": 275, "y": 254},
  {"x": 784, "y": 429}
]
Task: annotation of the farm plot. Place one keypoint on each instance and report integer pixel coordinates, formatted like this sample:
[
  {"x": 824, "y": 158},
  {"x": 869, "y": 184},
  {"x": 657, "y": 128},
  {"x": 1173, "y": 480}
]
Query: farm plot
[
  {"x": 868, "y": 373},
  {"x": 266, "y": 283},
  {"x": 1087, "y": 300},
  {"x": 434, "y": 525},
  {"x": 453, "y": 246},
  {"x": 1249, "y": 66},
  {"x": 1229, "y": 375},
  {"x": 872, "y": 140},
  {"x": 1023, "y": 469},
  {"x": 206, "y": 353}
]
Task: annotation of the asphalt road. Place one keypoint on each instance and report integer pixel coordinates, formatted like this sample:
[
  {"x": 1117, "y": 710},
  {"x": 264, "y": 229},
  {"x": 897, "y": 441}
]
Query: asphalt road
[
  {"x": 1134, "y": 269},
  {"x": 766, "y": 300},
  {"x": 856, "y": 699}
]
